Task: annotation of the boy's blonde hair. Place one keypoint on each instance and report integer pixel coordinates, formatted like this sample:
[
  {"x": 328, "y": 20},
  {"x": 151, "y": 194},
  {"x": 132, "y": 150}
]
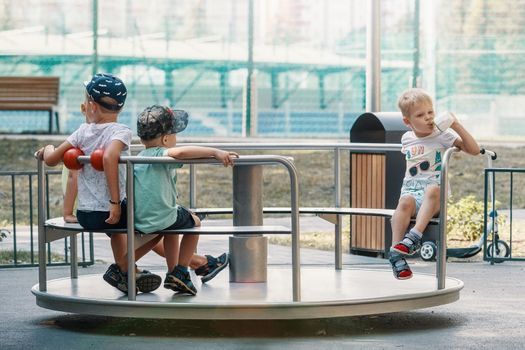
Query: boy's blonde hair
[{"x": 410, "y": 97}]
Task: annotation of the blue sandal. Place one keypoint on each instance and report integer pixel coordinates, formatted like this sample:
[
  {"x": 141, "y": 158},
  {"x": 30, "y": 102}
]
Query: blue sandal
[
  {"x": 399, "y": 266},
  {"x": 212, "y": 267},
  {"x": 409, "y": 245}
]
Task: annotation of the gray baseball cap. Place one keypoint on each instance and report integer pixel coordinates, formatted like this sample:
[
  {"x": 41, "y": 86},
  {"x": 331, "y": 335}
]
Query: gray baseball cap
[{"x": 158, "y": 120}]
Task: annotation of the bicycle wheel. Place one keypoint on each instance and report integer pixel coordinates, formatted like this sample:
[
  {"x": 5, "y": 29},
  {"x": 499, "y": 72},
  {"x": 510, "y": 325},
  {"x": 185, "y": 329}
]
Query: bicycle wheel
[{"x": 501, "y": 251}]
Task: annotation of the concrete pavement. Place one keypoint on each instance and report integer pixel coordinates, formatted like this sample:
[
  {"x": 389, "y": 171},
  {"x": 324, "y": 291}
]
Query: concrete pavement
[{"x": 489, "y": 315}]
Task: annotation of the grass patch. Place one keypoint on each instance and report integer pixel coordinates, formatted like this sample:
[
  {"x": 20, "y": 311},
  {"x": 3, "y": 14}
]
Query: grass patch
[
  {"x": 7, "y": 257},
  {"x": 214, "y": 188},
  {"x": 314, "y": 240}
]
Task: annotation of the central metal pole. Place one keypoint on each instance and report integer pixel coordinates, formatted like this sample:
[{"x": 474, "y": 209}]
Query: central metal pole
[{"x": 248, "y": 254}]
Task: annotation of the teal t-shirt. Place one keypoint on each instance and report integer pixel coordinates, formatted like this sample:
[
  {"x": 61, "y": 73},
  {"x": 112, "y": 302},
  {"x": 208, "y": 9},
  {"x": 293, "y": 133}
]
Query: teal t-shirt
[{"x": 155, "y": 193}]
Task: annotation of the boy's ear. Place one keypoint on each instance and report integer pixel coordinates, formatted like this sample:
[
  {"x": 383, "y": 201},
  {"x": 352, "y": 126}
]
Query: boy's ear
[
  {"x": 94, "y": 106},
  {"x": 407, "y": 122}
]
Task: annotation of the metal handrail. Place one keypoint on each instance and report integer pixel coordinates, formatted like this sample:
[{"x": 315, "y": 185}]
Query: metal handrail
[
  {"x": 336, "y": 147},
  {"x": 442, "y": 240},
  {"x": 287, "y": 162},
  {"x": 273, "y": 159},
  {"x": 367, "y": 147}
]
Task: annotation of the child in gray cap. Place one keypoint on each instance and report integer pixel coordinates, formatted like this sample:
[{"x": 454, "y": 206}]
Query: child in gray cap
[{"x": 156, "y": 206}]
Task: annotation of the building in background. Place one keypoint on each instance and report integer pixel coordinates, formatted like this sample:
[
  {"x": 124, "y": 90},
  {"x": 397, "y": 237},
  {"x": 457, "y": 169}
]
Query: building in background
[{"x": 309, "y": 59}]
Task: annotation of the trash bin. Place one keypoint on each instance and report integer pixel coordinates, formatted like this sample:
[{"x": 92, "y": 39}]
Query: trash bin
[{"x": 375, "y": 180}]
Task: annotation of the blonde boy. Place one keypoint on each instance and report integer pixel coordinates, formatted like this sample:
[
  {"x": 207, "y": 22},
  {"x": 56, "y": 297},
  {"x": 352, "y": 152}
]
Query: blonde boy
[{"x": 423, "y": 147}]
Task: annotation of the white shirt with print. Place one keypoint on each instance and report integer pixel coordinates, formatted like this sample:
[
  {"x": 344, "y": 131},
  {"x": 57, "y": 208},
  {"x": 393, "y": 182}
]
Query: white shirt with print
[
  {"x": 93, "y": 191},
  {"x": 430, "y": 148}
]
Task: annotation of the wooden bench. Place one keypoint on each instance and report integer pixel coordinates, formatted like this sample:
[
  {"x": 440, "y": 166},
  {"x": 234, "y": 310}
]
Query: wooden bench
[{"x": 31, "y": 94}]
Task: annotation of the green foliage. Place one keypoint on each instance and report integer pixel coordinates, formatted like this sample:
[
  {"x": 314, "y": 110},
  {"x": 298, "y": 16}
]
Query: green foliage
[
  {"x": 465, "y": 218},
  {"x": 7, "y": 257}
]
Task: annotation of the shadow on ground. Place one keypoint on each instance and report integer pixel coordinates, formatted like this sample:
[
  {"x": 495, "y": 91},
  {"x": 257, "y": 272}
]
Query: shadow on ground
[{"x": 396, "y": 323}]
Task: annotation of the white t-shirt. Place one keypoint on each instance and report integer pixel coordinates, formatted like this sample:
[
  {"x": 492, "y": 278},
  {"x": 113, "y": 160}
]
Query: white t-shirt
[
  {"x": 93, "y": 192},
  {"x": 419, "y": 150}
]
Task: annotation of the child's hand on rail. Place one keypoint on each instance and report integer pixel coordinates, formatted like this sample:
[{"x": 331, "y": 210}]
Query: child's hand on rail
[
  {"x": 40, "y": 153},
  {"x": 225, "y": 157}
]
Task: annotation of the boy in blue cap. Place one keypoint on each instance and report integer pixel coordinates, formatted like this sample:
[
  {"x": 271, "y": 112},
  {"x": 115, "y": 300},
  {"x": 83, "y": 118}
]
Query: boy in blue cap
[
  {"x": 156, "y": 207},
  {"x": 102, "y": 195}
]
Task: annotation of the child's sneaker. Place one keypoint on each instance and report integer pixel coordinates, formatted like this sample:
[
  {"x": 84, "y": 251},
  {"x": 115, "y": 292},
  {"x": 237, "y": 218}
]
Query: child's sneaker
[
  {"x": 116, "y": 278},
  {"x": 408, "y": 245},
  {"x": 212, "y": 267},
  {"x": 180, "y": 281},
  {"x": 399, "y": 266},
  {"x": 145, "y": 281}
]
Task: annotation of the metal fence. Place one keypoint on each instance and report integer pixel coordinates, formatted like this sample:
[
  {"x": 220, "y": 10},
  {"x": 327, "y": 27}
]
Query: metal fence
[
  {"x": 18, "y": 219},
  {"x": 16, "y": 206},
  {"x": 495, "y": 247}
]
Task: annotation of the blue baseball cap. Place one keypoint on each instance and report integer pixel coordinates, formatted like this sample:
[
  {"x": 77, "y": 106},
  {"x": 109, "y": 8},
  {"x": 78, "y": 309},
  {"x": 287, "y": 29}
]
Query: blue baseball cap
[
  {"x": 158, "y": 120},
  {"x": 107, "y": 85}
]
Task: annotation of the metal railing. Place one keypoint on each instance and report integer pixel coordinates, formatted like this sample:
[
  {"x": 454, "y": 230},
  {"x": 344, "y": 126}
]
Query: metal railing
[
  {"x": 337, "y": 149},
  {"x": 20, "y": 240},
  {"x": 130, "y": 161},
  {"x": 490, "y": 225}
]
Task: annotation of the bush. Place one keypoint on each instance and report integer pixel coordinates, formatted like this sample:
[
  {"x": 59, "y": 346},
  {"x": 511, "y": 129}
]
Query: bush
[{"x": 465, "y": 218}]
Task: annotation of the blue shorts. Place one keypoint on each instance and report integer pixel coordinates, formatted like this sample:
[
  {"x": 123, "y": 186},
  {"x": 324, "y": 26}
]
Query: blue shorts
[
  {"x": 184, "y": 219},
  {"x": 96, "y": 220}
]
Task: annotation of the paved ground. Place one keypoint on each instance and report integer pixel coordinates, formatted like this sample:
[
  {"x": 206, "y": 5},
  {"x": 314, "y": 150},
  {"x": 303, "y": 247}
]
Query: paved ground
[{"x": 489, "y": 315}]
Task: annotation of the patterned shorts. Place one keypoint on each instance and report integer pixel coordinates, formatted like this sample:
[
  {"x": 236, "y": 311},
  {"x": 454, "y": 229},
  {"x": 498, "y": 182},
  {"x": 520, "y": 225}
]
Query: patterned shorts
[{"x": 416, "y": 188}]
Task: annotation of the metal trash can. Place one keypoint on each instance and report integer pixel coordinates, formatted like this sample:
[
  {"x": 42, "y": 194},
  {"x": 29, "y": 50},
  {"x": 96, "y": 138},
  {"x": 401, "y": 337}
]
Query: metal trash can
[{"x": 375, "y": 180}]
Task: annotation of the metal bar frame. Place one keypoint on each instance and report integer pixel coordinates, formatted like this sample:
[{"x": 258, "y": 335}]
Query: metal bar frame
[
  {"x": 442, "y": 238},
  {"x": 337, "y": 147},
  {"x": 294, "y": 185},
  {"x": 490, "y": 180},
  {"x": 130, "y": 161},
  {"x": 12, "y": 177}
]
